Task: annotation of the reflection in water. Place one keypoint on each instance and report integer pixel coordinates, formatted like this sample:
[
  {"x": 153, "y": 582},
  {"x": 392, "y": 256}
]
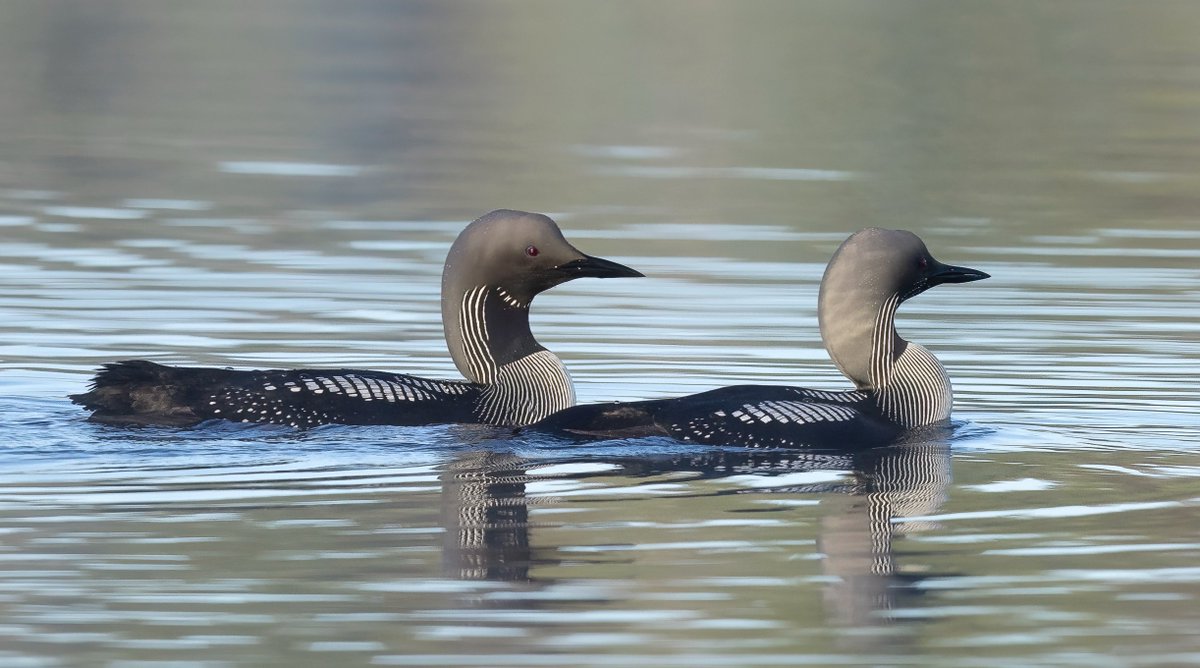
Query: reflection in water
[
  {"x": 907, "y": 480},
  {"x": 485, "y": 512}
]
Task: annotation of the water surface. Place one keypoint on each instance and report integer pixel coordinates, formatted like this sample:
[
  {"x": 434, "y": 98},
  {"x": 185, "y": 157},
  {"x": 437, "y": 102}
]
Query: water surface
[{"x": 279, "y": 187}]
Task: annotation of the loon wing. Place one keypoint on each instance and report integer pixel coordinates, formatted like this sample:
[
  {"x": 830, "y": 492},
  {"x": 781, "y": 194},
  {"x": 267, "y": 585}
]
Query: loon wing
[
  {"x": 146, "y": 393},
  {"x": 756, "y": 416}
]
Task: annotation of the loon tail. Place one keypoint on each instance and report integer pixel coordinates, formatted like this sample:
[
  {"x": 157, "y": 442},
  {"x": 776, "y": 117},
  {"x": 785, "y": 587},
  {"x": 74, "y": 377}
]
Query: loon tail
[{"x": 139, "y": 392}]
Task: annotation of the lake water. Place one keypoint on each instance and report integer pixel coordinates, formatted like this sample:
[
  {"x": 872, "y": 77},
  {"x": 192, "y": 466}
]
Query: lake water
[{"x": 278, "y": 185}]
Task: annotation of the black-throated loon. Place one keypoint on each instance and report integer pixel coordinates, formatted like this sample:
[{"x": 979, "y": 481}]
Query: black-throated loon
[
  {"x": 899, "y": 385},
  {"x": 494, "y": 269}
]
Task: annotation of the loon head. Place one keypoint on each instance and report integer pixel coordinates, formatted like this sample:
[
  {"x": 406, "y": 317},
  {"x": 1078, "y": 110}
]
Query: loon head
[
  {"x": 521, "y": 254},
  {"x": 495, "y": 268},
  {"x": 875, "y": 265},
  {"x": 871, "y": 273}
]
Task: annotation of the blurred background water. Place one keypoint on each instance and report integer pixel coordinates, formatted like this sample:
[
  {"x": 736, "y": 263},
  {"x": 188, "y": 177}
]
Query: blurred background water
[{"x": 277, "y": 185}]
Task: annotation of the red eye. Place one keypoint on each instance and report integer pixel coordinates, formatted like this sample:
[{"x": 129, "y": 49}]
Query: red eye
[
  {"x": 531, "y": 250},
  {"x": 923, "y": 263}
]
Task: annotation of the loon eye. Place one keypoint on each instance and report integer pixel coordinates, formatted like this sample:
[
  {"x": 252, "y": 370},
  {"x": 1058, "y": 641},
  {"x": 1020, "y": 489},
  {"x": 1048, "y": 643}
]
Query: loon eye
[
  {"x": 531, "y": 250},
  {"x": 923, "y": 262}
]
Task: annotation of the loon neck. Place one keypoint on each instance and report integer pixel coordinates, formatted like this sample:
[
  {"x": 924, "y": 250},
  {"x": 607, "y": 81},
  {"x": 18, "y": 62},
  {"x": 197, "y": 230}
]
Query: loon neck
[
  {"x": 907, "y": 382},
  {"x": 486, "y": 329},
  {"x": 860, "y": 335}
]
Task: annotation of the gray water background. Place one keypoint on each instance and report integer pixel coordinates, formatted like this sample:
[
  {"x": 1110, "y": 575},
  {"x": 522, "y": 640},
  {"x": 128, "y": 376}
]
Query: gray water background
[{"x": 276, "y": 184}]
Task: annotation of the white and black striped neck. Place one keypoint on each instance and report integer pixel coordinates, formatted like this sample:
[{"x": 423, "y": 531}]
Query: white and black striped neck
[
  {"x": 487, "y": 328},
  {"x": 908, "y": 384},
  {"x": 906, "y": 381},
  {"x": 492, "y": 346},
  {"x": 859, "y": 334}
]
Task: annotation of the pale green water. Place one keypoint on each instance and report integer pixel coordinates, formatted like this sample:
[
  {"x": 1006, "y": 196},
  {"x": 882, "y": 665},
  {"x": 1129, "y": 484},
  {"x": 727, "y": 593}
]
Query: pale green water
[{"x": 278, "y": 186}]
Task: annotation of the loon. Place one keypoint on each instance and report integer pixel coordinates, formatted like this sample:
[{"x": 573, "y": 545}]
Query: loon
[
  {"x": 899, "y": 385},
  {"x": 494, "y": 269}
]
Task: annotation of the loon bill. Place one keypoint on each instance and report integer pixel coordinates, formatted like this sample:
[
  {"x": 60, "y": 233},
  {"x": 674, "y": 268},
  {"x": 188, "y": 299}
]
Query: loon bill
[
  {"x": 899, "y": 385},
  {"x": 494, "y": 269}
]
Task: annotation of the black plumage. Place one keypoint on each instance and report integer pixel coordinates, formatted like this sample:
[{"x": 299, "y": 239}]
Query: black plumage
[{"x": 139, "y": 392}]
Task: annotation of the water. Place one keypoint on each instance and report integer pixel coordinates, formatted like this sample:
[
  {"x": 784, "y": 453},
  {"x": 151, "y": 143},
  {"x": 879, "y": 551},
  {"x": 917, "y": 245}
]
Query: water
[{"x": 278, "y": 187}]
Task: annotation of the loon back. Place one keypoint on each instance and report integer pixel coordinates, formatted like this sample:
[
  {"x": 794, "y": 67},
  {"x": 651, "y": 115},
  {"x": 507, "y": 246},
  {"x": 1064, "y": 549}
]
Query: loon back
[
  {"x": 495, "y": 268},
  {"x": 899, "y": 385},
  {"x": 753, "y": 416},
  {"x": 138, "y": 392}
]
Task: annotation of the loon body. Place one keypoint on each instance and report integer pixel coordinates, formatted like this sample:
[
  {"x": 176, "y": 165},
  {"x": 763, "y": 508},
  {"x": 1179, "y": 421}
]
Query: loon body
[
  {"x": 899, "y": 385},
  {"x": 495, "y": 268}
]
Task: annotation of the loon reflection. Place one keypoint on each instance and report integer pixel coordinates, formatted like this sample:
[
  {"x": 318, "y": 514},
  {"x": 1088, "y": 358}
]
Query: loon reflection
[
  {"x": 489, "y": 536},
  {"x": 485, "y": 515}
]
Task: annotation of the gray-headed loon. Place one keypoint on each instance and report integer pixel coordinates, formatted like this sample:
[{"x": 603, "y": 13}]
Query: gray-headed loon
[
  {"x": 495, "y": 268},
  {"x": 899, "y": 385}
]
